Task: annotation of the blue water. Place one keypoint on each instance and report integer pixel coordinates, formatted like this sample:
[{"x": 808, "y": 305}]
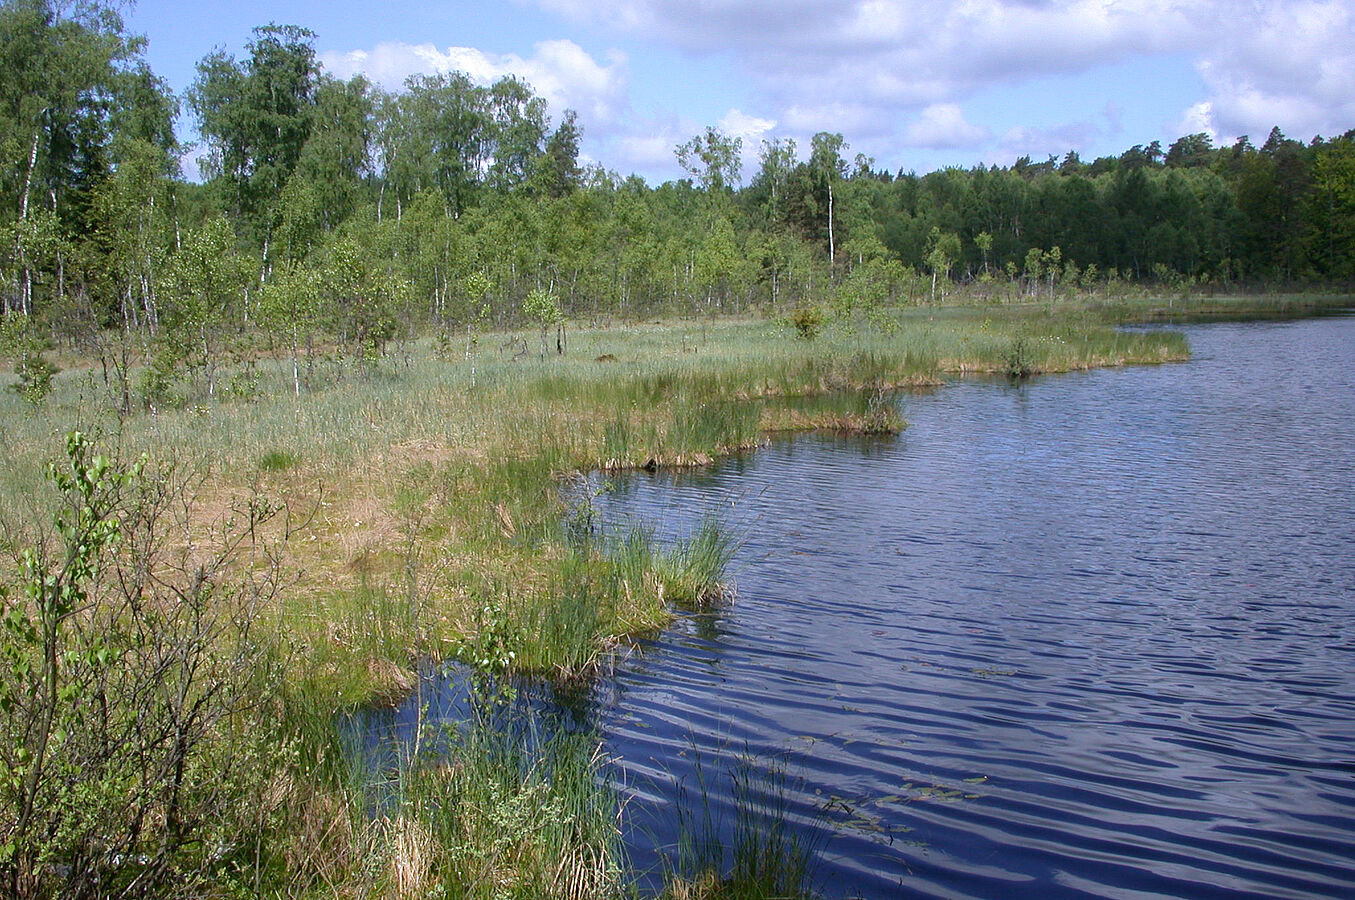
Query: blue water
[{"x": 1088, "y": 636}]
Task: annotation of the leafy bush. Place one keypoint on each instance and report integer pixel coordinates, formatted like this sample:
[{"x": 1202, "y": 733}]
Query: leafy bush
[
  {"x": 136, "y": 698},
  {"x": 1019, "y": 365},
  {"x": 20, "y": 341},
  {"x": 807, "y": 321},
  {"x": 35, "y": 378}
]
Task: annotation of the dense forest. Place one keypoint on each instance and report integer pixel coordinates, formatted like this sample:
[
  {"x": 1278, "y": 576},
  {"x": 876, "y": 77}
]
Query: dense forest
[{"x": 334, "y": 214}]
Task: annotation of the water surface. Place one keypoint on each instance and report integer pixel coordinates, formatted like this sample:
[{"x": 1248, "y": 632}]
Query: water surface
[{"x": 1088, "y": 636}]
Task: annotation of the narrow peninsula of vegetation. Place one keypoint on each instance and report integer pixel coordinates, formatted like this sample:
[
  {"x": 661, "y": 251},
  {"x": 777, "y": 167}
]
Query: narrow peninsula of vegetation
[{"x": 277, "y": 439}]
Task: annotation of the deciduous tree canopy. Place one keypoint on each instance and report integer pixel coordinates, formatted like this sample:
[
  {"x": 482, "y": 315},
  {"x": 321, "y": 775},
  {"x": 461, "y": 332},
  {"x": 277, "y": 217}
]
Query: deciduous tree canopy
[{"x": 347, "y": 214}]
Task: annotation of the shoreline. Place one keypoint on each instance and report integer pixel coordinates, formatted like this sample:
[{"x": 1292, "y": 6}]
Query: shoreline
[{"x": 422, "y": 516}]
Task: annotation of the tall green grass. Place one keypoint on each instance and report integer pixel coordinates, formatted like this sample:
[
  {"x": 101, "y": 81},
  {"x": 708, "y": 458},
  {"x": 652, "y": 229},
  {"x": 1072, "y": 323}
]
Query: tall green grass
[
  {"x": 762, "y": 854},
  {"x": 615, "y": 587},
  {"x": 486, "y": 458},
  {"x": 500, "y": 804},
  {"x": 510, "y": 812}
]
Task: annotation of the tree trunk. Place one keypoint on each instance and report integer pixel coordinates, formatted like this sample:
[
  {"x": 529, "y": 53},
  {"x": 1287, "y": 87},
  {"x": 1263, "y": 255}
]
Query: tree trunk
[
  {"x": 28, "y": 176},
  {"x": 832, "y": 245},
  {"x": 296, "y": 367},
  {"x": 207, "y": 366}
]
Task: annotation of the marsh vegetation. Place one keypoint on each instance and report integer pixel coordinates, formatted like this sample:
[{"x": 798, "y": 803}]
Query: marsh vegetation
[
  {"x": 277, "y": 439},
  {"x": 402, "y": 515}
]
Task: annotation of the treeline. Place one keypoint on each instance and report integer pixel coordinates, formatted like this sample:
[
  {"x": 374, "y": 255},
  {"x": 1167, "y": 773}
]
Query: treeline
[{"x": 334, "y": 214}]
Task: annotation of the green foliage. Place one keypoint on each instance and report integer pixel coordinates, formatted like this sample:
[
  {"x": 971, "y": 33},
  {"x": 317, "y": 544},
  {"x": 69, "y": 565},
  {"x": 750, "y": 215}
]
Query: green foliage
[
  {"x": 541, "y": 308},
  {"x": 807, "y": 320},
  {"x": 476, "y": 286},
  {"x": 74, "y": 82},
  {"x": 256, "y": 118},
  {"x": 160, "y": 375},
  {"x": 873, "y": 284},
  {"x": 444, "y": 132},
  {"x": 1019, "y": 365},
  {"x": 712, "y": 158},
  {"x": 202, "y": 289},
  {"x": 557, "y": 170},
  {"x": 493, "y": 646},
  {"x": 19, "y": 341},
  {"x": 365, "y": 299},
  {"x": 35, "y": 378},
  {"x": 397, "y": 198},
  {"x": 471, "y": 181},
  {"x": 291, "y": 304},
  {"x": 133, "y": 725},
  {"x": 720, "y": 269},
  {"x": 1331, "y": 208}
]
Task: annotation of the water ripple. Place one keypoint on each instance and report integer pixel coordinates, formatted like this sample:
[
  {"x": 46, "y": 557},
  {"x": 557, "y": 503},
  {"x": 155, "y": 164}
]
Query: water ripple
[{"x": 1088, "y": 637}]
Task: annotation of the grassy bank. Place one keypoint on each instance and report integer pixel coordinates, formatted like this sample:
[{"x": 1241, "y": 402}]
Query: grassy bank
[
  {"x": 415, "y": 512},
  {"x": 429, "y": 497},
  {"x": 1205, "y": 308}
]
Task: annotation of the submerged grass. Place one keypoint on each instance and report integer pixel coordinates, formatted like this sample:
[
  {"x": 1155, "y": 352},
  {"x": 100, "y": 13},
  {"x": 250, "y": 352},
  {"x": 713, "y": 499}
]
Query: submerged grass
[
  {"x": 760, "y": 853},
  {"x": 497, "y": 805}
]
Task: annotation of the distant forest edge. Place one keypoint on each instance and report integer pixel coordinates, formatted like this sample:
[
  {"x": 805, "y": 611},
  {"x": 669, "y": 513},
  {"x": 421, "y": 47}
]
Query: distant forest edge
[{"x": 334, "y": 211}]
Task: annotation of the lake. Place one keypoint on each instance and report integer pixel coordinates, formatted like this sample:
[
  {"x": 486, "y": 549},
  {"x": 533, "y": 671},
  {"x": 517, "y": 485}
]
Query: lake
[{"x": 1091, "y": 635}]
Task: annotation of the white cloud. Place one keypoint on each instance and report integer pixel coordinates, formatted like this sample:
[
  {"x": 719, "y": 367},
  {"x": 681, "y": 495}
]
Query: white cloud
[
  {"x": 737, "y": 123},
  {"x": 877, "y": 20},
  {"x": 647, "y": 152},
  {"x": 559, "y": 70},
  {"x": 872, "y": 69},
  {"x": 944, "y": 47},
  {"x": 1041, "y": 143},
  {"x": 859, "y": 120},
  {"x": 1198, "y": 119},
  {"x": 890, "y": 74},
  {"x": 1290, "y": 64},
  {"x": 943, "y": 125},
  {"x": 752, "y": 130},
  {"x": 649, "y": 144}
]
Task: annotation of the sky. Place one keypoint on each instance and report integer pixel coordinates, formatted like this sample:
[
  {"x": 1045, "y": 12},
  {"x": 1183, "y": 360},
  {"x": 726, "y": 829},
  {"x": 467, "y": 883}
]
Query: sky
[{"x": 916, "y": 85}]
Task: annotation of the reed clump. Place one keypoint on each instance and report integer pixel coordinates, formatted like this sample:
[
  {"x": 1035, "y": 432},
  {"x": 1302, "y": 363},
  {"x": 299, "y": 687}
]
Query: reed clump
[
  {"x": 760, "y": 852},
  {"x": 508, "y": 811},
  {"x": 499, "y": 803},
  {"x": 692, "y": 573}
]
